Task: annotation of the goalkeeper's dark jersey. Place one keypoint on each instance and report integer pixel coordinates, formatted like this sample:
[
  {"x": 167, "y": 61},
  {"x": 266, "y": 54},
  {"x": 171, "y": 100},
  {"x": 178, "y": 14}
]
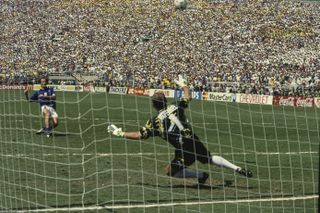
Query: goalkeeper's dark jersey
[{"x": 170, "y": 124}]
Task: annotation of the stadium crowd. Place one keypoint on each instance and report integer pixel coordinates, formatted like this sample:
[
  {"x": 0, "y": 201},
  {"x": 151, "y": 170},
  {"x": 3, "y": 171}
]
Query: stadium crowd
[{"x": 249, "y": 46}]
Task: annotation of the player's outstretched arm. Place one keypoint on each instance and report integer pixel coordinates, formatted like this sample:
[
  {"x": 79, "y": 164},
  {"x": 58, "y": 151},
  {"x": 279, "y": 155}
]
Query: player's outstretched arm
[
  {"x": 113, "y": 129},
  {"x": 182, "y": 83},
  {"x": 33, "y": 98},
  {"x": 26, "y": 93}
]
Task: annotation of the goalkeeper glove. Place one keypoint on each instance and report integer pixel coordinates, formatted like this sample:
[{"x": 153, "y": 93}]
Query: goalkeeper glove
[
  {"x": 181, "y": 82},
  {"x": 115, "y": 130}
]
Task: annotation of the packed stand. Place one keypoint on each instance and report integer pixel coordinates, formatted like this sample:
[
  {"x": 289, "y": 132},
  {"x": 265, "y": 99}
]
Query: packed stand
[{"x": 259, "y": 47}]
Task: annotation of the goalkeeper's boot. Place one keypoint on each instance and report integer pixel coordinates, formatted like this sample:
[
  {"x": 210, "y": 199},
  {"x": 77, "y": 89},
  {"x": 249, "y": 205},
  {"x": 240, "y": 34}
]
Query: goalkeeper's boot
[
  {"x": 40, "y": 131},
  {"x": 244, "y": 172},
  {"x": 204, "y": 178}
]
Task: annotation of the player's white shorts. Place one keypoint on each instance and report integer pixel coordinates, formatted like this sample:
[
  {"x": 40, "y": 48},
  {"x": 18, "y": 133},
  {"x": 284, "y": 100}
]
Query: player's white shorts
[{"x": 53, "y": 113}]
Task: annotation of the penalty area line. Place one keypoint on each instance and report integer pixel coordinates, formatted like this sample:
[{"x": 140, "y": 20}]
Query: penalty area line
[{"x": 156, "y": 205}]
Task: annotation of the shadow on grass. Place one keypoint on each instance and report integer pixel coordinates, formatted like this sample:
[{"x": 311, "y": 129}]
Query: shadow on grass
[
  {"x": 227, "y": 184},
  {"x": 55, "y": 134},
  {"x": 182, "y": 186},
  {"x": 60, "y": 134}
]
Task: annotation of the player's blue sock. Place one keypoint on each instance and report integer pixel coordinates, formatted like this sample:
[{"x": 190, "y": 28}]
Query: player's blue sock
[{"x": 188, "y": 173}]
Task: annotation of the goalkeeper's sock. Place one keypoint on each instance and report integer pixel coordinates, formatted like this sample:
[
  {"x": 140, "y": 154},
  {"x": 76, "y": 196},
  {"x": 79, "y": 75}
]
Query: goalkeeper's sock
[
  {"x": 220, "y": 161},
  {"x": 188, "y": 173}
]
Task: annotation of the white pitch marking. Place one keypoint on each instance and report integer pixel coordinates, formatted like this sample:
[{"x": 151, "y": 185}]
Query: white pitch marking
[
  {"x": 170, "y": 204},
  {"x": 151, "y": 154},
  {"x": 136, "y": 121}
]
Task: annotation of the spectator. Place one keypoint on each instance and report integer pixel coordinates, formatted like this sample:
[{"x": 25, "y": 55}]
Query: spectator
[{"x": 265, "y": 47}]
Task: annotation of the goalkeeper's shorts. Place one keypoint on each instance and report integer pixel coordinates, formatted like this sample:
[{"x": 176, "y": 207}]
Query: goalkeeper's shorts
[
  {"x": 52, "y": 111},
  {"x": 191, "y": 150}
]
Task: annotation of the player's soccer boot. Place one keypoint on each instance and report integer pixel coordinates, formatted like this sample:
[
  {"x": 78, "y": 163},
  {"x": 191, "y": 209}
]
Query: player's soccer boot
[
  {"x": 47, "y": 132},
  {"x": 40, "y": 131},
  {"x": 245, "y": 172},
  {"x": 202, "y": 180}
]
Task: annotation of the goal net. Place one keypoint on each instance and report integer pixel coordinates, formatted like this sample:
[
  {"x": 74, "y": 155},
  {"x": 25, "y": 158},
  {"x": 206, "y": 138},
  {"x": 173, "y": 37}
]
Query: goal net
[
  {"x": 233, "y": 49},
  {"x": 82, "y": 168}
]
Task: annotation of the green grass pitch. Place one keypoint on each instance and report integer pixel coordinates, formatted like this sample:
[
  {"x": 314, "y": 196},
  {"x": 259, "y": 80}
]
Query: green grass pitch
[{"x": 83, "y": 166}]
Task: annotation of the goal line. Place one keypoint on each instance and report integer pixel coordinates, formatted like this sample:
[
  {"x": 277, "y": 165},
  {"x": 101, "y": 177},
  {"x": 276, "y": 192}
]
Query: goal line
[{"x": 106, "y": 207}]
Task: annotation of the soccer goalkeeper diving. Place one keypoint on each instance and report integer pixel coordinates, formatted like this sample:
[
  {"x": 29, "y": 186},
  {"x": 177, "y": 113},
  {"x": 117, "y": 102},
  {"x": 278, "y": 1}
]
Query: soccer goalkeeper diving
[{"x": 171, "y": 124}]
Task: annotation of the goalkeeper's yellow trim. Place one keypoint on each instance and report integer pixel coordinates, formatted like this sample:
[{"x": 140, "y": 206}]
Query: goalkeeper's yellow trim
[
  {"x": 185, "y": 99},
  {"x": 144, "y": 133}
]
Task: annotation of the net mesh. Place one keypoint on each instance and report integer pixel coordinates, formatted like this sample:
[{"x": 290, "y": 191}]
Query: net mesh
[{"x": 83, "y": 168}]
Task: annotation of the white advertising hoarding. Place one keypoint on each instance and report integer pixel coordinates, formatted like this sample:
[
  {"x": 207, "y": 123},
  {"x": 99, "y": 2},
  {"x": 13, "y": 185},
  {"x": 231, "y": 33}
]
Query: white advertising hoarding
[
  {"x": 254, "y": 99},
  {"x": 167, "y": 92}
]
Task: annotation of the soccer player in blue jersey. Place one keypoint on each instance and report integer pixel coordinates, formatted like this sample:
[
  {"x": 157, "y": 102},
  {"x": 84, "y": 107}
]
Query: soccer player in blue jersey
[
  {"x": 172, "y": 125},
  {"x": 47, "y": 100}
]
